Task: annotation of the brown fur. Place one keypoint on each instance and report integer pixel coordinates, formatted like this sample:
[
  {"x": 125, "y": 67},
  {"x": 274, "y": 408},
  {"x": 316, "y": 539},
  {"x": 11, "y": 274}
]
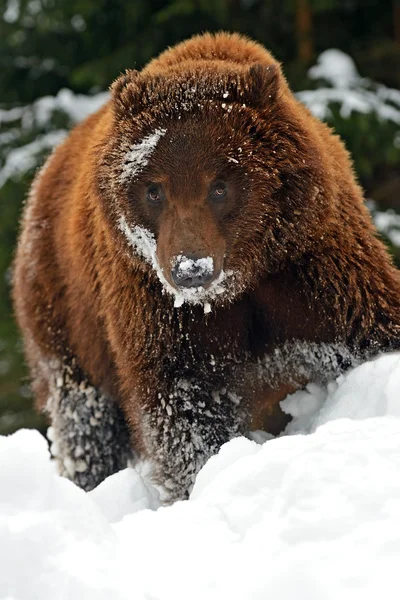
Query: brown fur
[{"x": 294, "y": 230}]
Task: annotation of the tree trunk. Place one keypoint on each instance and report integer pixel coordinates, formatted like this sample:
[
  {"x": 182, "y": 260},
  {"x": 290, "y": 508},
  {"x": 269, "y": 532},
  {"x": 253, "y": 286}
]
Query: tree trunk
[
  {"x": 304, "y": 31},
  {"x": 396, "y": 21}
]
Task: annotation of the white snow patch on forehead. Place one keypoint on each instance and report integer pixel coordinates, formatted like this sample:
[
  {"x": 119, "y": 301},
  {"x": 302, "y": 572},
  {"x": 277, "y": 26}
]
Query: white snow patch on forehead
[
  {"x": 137, "y": 157},
  {"x": 144, "y": 243}
]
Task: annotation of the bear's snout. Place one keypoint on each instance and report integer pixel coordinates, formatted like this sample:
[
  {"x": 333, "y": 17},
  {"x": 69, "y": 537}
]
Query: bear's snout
[{"x": 192, "y": 271}]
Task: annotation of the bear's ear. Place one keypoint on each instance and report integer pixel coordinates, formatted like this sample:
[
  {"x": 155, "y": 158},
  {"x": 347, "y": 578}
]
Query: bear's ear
[
  {"x": 125, "y": 93},
  {"x": 263, "y": 84}
]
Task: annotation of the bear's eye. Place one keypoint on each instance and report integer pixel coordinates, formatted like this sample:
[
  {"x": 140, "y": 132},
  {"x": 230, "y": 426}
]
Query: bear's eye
[
  {"x": 155, "y": 195},
  {"x": 218, "y": 191}
]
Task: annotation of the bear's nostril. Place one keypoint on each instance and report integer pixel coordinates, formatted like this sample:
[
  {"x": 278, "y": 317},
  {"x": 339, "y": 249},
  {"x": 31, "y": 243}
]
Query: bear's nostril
[
  {"x": 191, "y": 272},
  {"x": 195, "y": 280}
]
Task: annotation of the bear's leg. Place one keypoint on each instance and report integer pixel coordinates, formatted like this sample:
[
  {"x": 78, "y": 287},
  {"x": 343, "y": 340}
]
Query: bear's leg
[
  {"x": 183, "y": 427},
  {"x": 89, "y": 435}
]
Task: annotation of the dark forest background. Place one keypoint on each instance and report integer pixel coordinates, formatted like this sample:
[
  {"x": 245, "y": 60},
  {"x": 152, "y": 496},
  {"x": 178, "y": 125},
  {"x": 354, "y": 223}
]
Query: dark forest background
[{"x": 82, "y": 45}]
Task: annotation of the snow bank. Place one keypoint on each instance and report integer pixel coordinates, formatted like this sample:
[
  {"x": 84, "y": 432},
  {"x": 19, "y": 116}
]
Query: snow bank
[
  {"x": 337, "y": 68},
  {"x": 312, "y": 516}
]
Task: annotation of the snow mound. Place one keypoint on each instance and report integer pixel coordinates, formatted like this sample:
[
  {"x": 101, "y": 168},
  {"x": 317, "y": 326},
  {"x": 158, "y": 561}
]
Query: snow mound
[
  {"x": 335, "y": 66},
  {"x": 348, "y": 90},
  {"x": 312, "y": 516}
]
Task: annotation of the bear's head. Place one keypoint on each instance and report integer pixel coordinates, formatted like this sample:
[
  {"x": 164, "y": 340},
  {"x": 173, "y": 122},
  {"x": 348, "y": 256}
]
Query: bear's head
[{"x": 210, "y": 178}]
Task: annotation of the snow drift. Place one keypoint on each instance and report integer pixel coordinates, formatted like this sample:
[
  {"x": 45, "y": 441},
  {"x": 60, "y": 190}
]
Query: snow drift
[{"x": 313, "y": 514}]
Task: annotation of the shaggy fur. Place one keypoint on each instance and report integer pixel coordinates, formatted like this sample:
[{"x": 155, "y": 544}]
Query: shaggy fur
[{"x": 301, "y": 289}]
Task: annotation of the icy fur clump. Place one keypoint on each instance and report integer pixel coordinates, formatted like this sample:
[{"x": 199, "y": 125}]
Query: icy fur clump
[
  {"x": 297, "y": 361},
  {"x": 137, "y": 157},
  {"x": 201, "y": 295},
  {"x": 144, "y": 243},
  {"x": 89, "y": 436},
  {"x": 187, "y": 426}
]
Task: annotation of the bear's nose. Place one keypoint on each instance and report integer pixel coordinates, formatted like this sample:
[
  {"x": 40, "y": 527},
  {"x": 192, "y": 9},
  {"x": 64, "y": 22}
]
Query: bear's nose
[{"x": 192, "y": 271}]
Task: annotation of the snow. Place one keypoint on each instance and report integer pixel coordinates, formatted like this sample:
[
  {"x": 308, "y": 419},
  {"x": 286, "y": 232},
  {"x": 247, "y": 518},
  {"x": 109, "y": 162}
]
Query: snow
[
  {"x": 336, "y": 67},
  {"x": 201, "y": 295},
  {"x": 75, "y": 106},
  {"x": 313, "y": 516},
  {"x": 299, "y": 361},
  {"x": 12, "y": 11},
  {"x": 23, "y": 159},
  {"x": 388, "y": 223},
  {"x": 349, "y": 90},
  {"x": 187, "y": 267},
  {"x": 340, "y": 399},
  {"x": 38, "y": 115},
  {"x": 357, "y": 100},
  {"x": 137, "y": 157},
  {"x": 89, "y": 438}
]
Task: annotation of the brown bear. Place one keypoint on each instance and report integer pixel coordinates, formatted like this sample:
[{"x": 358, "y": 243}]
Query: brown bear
[{"x": 194, "y": 251}]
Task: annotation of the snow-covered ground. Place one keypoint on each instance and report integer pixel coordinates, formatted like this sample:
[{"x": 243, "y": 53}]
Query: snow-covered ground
[{"x": 312, "y": 515}]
